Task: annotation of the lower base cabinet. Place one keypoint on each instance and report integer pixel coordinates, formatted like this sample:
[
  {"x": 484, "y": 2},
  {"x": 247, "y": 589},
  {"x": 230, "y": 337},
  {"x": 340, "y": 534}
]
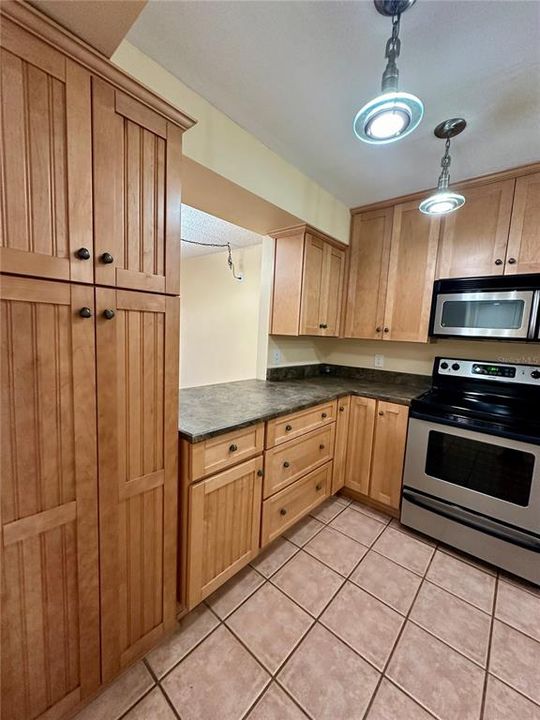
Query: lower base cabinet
[{"x": 224, "y": 517}]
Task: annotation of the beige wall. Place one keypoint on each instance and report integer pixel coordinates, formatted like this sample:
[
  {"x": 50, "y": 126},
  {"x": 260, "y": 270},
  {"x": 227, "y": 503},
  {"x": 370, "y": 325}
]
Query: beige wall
[
  {"x": 223, "y": 146},
  {"x": 219, "y": 318}
]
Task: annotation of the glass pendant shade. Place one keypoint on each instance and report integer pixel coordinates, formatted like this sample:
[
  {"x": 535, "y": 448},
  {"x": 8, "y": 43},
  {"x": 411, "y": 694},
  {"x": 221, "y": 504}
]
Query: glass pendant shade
[
  {"x": 443, "y": 200},
  {"x": 388, "y": 117},
  {"x": 441, "y": 203}
]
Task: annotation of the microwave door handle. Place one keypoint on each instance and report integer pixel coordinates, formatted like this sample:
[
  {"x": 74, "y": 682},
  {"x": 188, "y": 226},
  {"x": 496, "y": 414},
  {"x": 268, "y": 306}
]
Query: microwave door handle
[{"x": 534, "y": 319}]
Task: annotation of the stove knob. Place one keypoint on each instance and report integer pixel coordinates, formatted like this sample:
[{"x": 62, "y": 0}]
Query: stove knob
[
  {"x": 455, "y": 366},
  {"x": 535, "y": 374},
  {"x": 444, "y": 366}
]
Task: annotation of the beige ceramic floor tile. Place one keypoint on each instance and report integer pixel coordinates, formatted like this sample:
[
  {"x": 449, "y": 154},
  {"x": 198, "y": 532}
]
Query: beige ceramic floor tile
[
  {"x": 191, "y": 630},
  {"x": 396, "y": 525},
  {"x": 304, "y": 530},
  {"x": 442, "y": 680},
  {"x": 274, "y": 556},
  {"x": 489, "y": 569},
  {"x": 393, "y": 584},
  {"x": 405, "y": 550},
  {"x": 270, "y": 625},
  {"x": 120, "y": 696},
  {"x": 515, "y": 659},
  {"x": 518, "y": 608},
  {"x": 463, "y": 580},
  {"x": 328, "y": 679},
  {"x": 228, "y": 597},
  {"x": 392, "y": 704},
  {"x": 219, "y": 680},
  {"x": 370, "y": 512},
  {"x": 454, "y": 621},
  {"x": 275, "y": 704},
  {"x": 328, "y": 510},
  {"x": 308, "y": 582},
  {"x": 358, "y": 526},
  {"x": 519, "y": 583},
  {"x": 503, "y": 703},
  {"x": 340, "y": 552},
  {"x": 153, "y": 706},
  {"x": 363, "y": 622}
]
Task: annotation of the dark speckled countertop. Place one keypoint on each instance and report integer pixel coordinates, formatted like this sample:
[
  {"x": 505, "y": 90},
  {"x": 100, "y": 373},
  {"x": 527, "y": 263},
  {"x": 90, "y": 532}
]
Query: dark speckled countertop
[{"x": 213, "y": 409}]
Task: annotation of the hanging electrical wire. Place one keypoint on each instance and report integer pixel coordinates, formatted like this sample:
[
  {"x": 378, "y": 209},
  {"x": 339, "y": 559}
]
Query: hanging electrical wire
[{"x": 227, "y": 245}]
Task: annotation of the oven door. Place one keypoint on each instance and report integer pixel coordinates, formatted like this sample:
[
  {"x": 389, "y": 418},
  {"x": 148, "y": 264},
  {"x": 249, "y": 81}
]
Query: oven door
[
  {"x": 504, "y": 314},
  {"x": 494, "y": 476}
]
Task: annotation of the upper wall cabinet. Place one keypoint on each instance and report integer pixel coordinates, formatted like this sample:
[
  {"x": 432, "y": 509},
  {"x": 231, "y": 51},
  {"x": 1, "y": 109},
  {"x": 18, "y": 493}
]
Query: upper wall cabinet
[
  {"x": 137, "y": 155},
  {"x": 523, "y": 254},
  {"x": 46, "y": 158},
  {"x": 308, "y": 283}
]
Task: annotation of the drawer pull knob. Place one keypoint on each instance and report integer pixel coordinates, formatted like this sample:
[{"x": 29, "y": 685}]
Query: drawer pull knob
[
  {"x": 233, "y": 448},
  {"x": 106, "y": 258},
  {"x": 283, "y": 511},
  {"x": 286, "y": 464},
  {"x": 341, "y": 409},
  {"x": 318, "y": 487},
  {"x": 498, "y": 261},
  {"x": 321, "y": 446},
  {"x": 381, "y": 412},
  {"x": 511, "y": 261},
  {"x": 108, "y": 314},
  {"x": 85, "y": 312},
  {"x": 323, "y": 415},
  {"x": 83, "y": 253},
  {"x": 260, "y": 472},
  {"x": 386, "y": 329},
  {"x": 378, "y": 328},
  {"x": 288, "y": 428}
]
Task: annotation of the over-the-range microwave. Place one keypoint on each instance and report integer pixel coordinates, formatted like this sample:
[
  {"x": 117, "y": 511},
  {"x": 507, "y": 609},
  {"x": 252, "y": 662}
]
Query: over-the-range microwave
[{"x": 504, "y": 307}]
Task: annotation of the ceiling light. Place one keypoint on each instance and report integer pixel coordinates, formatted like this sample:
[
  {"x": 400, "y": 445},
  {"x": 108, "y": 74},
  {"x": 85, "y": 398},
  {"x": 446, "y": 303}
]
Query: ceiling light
[
  {"x": 444, "y": 201},
  {"x": 392, "y": 114}
]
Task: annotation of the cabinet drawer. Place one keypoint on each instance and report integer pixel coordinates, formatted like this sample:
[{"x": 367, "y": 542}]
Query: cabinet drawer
[
  {"x": 286, "y": 507},
  {"x": 290, "y": 426},
  {"x": 218, "y": 453},
  {"x": 287, "y": 462}
]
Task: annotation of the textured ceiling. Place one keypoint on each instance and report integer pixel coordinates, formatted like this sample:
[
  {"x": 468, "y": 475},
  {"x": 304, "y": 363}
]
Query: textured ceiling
[
  {"x": 201, "y": 227},
  {"x": 295, "y": 73}
]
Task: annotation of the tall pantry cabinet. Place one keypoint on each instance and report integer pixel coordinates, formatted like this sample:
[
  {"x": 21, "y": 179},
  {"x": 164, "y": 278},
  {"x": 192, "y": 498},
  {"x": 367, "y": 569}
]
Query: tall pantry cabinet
[{"x": 89, "y": 255}]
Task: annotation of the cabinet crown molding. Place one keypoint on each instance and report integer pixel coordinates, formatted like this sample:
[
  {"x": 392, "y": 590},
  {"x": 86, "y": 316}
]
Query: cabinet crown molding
[{"x": 304, "y": 228}]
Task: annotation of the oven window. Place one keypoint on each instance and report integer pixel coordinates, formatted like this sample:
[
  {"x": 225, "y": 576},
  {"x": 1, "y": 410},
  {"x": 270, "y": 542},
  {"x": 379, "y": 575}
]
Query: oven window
[
  {"x": 490, "y": 314},
  {"x": 501, "y": 472}
]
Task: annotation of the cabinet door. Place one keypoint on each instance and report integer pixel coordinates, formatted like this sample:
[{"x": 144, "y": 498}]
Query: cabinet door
[
  {"x": 332, "y": 288},
  {"x": 369, "y": 254},
  {"x": 312, "y": 282},
  {"x": 524, "y": 243},
  {"x": 137, "y": 156},
  {"x": 359, "y": 444},
  {"x": 224, "y": 524},
  {"x": 49, "y": 544},
  {"x": 473, "y": 239},
  {"x": 137, "y": 390},
  {"x": 340, "y": 447},
  {"x": 46, "y": 160},
  {"x": 388, "y": 453},
  {"x": 411, "y": 273}
]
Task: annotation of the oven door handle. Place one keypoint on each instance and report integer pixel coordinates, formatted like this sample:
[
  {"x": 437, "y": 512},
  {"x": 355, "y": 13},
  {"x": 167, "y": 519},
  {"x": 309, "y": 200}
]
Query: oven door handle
[{"x": 476, "y": 522}]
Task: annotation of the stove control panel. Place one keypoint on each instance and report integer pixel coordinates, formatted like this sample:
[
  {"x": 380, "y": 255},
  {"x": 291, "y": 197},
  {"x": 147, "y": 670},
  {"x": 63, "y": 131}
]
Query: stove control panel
[{"x": 481, "y": 370}]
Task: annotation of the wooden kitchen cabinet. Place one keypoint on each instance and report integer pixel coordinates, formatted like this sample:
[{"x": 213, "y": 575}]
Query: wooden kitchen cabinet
[
  {"x": 523, "y": 254},
  {"x": 309, "y": 270},
  {"x": 388, "y": 453},
  {"x": 49, "y": 508},
  {"x": 46, "y": 158},
  {"x": 340, "y": 446},
  {"x": 359, "y": 444},
  {"x": 223, "y": 526}
]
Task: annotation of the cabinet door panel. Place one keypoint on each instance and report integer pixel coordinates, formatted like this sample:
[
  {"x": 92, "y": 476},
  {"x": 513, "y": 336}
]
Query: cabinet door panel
[
  {"x": 45, "y": 155},
  {"x": 137, "y": 373},
  {"x": 524, "y": 240},
  {"x": 310, "y": 310},
  {"x": 340, "y": 448},
  {"x": 49, "y": 600},
  {"x": 224, "y": 524},
  {"x": 368, "y": 273},
  {"x": 411, "y": 273},
  {"x": 388, "y": 453},
  {"x": 137, "y": 193},
  {"x": 359, "y": 444},
  {"x": 473, "y": 239},
  {"x": 333, "y": 272}
]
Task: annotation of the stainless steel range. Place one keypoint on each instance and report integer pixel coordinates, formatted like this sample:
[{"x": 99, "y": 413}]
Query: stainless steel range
[{"x": 472, "y": 466}]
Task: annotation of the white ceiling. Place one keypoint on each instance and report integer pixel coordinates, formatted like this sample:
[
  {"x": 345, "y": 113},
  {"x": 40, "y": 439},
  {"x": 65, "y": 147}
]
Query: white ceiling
[
  {"x": 202, "y": 227},
  {"x": 295, "y": 73}
]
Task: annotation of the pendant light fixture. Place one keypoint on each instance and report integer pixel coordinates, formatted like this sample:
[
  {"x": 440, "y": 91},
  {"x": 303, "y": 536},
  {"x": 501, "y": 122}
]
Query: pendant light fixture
[
  {"x": 394, "y": 113},
  {"x": 444, "y": 201}
]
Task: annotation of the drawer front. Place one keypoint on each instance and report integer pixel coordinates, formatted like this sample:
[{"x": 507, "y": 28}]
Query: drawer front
[
  {"x": 287, "y": 462},
  {"x": 287, "y": 507},
  {"x": 291, "y": 426},
  {"x": 223, "y": 451}
]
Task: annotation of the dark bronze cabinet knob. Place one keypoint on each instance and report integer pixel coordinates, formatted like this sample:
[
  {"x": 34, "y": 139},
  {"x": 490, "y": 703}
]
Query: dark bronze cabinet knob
[
  {"x": 233, "y": 448},
  {"x": 85, "y": 312},
  {"x": 286, "y": 464},
  {"x": 283, "y": 511},
  {"x": 381, "y": 412},
  {"x": 386, "y": 330},
  {"x": 288, "y": 428},
  {"x": 318, "y": 487},
  {"x": 378, "y": 328},
  {"x": 83, "y": 253},
  {"x": 321, "y": 446},
  {"x": 260, "y": 472},
  {"x": 512, "y": 261},
  {"x": 498, "y": 261},
  {"x": 108, "y": 314},
  {"x": 324, "y": 415},
  {"x": 323, "y": 326},
  {"x": 106, "y": 258}
]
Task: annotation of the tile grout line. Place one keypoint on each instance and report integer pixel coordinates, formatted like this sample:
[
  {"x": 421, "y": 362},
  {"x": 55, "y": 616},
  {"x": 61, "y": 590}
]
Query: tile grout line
[{"x": 488, "y": 657}]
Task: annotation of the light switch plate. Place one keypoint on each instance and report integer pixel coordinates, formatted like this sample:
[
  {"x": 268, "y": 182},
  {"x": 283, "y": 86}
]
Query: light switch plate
[{"x": 378, "y": 361}]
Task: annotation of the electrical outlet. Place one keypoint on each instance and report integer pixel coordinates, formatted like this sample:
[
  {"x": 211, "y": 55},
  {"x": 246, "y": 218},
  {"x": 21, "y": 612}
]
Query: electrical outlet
[
  {"x": 276, "y": 357},
  {"x": 378, "y": 361}
]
